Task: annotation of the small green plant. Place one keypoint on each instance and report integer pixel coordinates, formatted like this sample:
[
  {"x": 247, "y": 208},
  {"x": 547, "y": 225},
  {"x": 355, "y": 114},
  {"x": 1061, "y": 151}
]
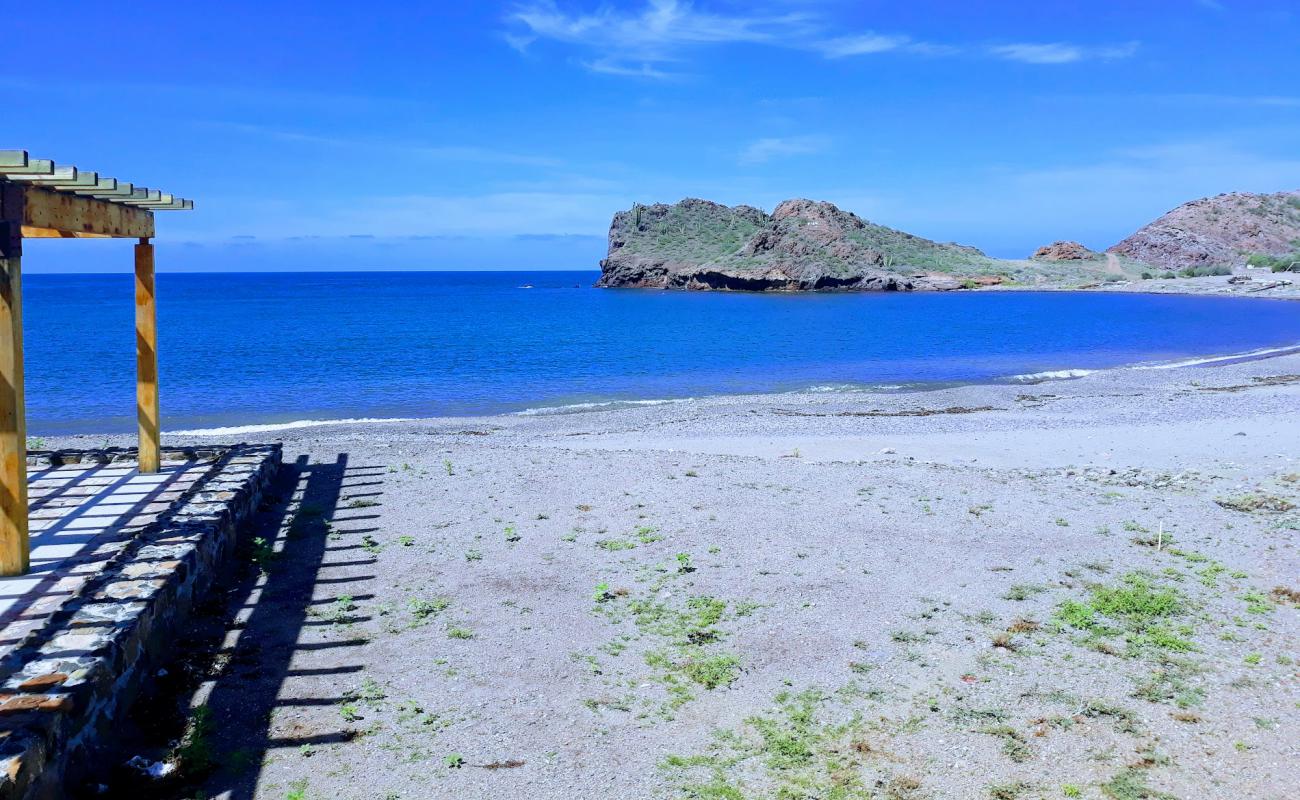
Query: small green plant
[
  {"x": 473, "y": 555},
  {"x": 613, "y": 545},
  {"x": 459, "y": 633},
  {"x": 1013, "y": 742},
  {"x": 349, "y": 712},
  {"x": 1253, "y": 659},
  {"x": 297, "y": 790},
  {"x": 512, "y": 535},
  {"x": 647, "y": 535},
  {"x": 263, "y": 554},
  {"x": 1070, "y": 790},
  {"x": 684, "y": 564},
  {"x": 423, "y": 610},
  {"x": 195, "y": 754},
  {"x": 406, "y": 540},
  {"x": 446, "y": 465},
  {"x": 453, "y": 761},
  {"x": 1023, "y": 591}
]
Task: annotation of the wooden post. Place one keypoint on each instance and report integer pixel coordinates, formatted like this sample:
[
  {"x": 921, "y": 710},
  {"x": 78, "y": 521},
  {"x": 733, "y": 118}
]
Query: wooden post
[
  {"x": 15, "y": 551},
  {"x": 146, "y": 359}
]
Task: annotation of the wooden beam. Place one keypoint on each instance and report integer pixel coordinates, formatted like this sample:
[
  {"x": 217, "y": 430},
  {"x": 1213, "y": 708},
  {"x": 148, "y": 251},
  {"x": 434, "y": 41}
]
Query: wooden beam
[
  {"x": 70, "y": 213},
  {"x": 146, "y": 359},
  {"x": 14, "y": 545},
  {"x": 35, "y": 166},
  {"x": 13, "y": 158},
  {"x": 49, "y": 233},
  {"x": 54, "y": 174}
]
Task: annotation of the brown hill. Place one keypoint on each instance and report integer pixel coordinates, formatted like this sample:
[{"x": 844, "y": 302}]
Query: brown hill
[{"x": 1218, "y": 231}]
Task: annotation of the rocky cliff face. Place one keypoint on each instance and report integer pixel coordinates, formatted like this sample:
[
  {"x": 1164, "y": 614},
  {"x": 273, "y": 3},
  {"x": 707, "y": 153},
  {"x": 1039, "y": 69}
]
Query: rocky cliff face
[
  {"x": 1218, "y": 231},
  {"x": 801, "y": 245},
  {"x": 1064, "y": 251}
]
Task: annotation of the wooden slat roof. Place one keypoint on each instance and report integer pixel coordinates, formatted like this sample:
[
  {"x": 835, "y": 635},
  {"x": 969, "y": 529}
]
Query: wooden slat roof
[{"x": 17, "y": 166}]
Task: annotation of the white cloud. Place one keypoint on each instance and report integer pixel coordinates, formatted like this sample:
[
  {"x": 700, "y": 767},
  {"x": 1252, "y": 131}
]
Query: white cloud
[
  {"x": 1061, "y": 52},
  {"x": 862, "y": 44},
  {"x": 763, "y": 150},
  {"x": 644, "y": 43},
  {"x": 632, "y": 43}
]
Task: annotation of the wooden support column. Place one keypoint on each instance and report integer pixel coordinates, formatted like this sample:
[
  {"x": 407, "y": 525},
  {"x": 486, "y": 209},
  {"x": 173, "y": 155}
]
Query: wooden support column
[
  {"x": 146, "y": 359},
  {"x": 15, "y": 550}
]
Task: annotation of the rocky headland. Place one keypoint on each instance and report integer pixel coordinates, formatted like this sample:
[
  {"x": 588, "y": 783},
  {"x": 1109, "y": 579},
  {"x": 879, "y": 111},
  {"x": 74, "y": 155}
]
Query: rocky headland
[{"x": 801, "y": 245}]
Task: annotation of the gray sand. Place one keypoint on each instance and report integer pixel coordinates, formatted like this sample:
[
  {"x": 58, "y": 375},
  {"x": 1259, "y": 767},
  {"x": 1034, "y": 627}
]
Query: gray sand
[{"x": 873, "y": 602}]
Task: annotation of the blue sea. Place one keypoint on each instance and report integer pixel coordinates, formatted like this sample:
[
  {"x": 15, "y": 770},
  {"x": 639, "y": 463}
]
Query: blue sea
[{"x": 244, "y": 349}]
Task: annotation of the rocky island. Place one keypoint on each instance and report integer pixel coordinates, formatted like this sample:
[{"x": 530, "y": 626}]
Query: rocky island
[{"x": 808, "y": 245}]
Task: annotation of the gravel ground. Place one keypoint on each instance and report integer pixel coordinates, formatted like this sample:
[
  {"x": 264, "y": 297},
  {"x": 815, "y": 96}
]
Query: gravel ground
[{"x": 1069, "y": 589}]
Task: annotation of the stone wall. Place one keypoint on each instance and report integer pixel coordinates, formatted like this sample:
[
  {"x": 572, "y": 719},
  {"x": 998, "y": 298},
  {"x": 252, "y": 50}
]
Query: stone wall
[{"x": 61, "y": 691}]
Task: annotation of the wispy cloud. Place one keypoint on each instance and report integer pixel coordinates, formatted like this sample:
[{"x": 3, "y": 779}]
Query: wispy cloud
[
  {"x": 862, "y": 44},
  {"x": 653, "y": 41},
  {"x": 640, "y": 43},
  {"x": 471, "y": 153},
  {"x": 764, "y": 150},
  {"x": 1061, "y": 52}
]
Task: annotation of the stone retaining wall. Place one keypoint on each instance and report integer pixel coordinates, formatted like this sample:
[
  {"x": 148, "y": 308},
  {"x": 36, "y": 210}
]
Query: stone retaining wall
[{"x": 61, "y": 691}]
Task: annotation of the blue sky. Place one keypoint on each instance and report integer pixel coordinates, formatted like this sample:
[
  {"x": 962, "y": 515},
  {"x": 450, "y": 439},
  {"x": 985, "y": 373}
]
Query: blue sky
[{"x": 482, "y": 135}]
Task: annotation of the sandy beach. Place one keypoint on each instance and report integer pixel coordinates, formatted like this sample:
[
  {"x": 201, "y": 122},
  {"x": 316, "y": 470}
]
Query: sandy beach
[{"x": 1078, "y": 588}]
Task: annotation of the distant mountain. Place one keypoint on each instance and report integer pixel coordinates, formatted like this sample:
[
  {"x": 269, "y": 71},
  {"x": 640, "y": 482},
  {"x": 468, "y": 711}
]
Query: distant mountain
[
  {"x": 801, "y": 245},
  {"x": 1220, "y": 231}
]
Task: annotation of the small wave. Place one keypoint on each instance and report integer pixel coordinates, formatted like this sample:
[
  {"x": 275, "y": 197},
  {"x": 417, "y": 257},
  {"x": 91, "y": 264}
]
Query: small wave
[
  {"x": 573, "y": 408},
  {"x": 1052, "y": 375},
  {"x": 827, "y": 388},
  {"x": 236, "y": 430},
  {"x": 1250, "y": 355}
]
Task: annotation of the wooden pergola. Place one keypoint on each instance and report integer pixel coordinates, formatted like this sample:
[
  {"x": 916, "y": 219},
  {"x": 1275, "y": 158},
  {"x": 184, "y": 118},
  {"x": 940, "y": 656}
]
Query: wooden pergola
[{"x": 39, "y": 200}]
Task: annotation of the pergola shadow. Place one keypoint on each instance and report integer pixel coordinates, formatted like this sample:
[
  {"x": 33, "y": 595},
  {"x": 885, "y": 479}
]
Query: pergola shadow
[
  {"x": 274, "y": 635},
  {"x": 82, "y": 517}
]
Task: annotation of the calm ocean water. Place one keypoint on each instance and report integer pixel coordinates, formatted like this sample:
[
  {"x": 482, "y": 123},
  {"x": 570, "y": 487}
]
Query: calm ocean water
[{"x": 255, "y": 348}]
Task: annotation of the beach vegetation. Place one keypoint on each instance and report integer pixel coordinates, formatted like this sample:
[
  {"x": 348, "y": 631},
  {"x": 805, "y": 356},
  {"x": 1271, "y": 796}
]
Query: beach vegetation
[
  {"x": 457, "y": 632},
  {"x": 297, "y": 790},
  {"x": 1255, "y": 502},
  {"x": 1023, "y": 591},
  {"x": 196, "y": 753},
  {"x": 1014, "y": 745},
  {"x": 263, "y": 553},
  {"x": 1131, "y": 784},
  {"x": 1288, "y": 262},
  {"x": 647, "y": 534},
  {"x": 1009, "y": 791},
  {"x": 424, "y": 610},
  {"x": 614, "y": 545},
  {"x": 1205, "y": 271}
]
